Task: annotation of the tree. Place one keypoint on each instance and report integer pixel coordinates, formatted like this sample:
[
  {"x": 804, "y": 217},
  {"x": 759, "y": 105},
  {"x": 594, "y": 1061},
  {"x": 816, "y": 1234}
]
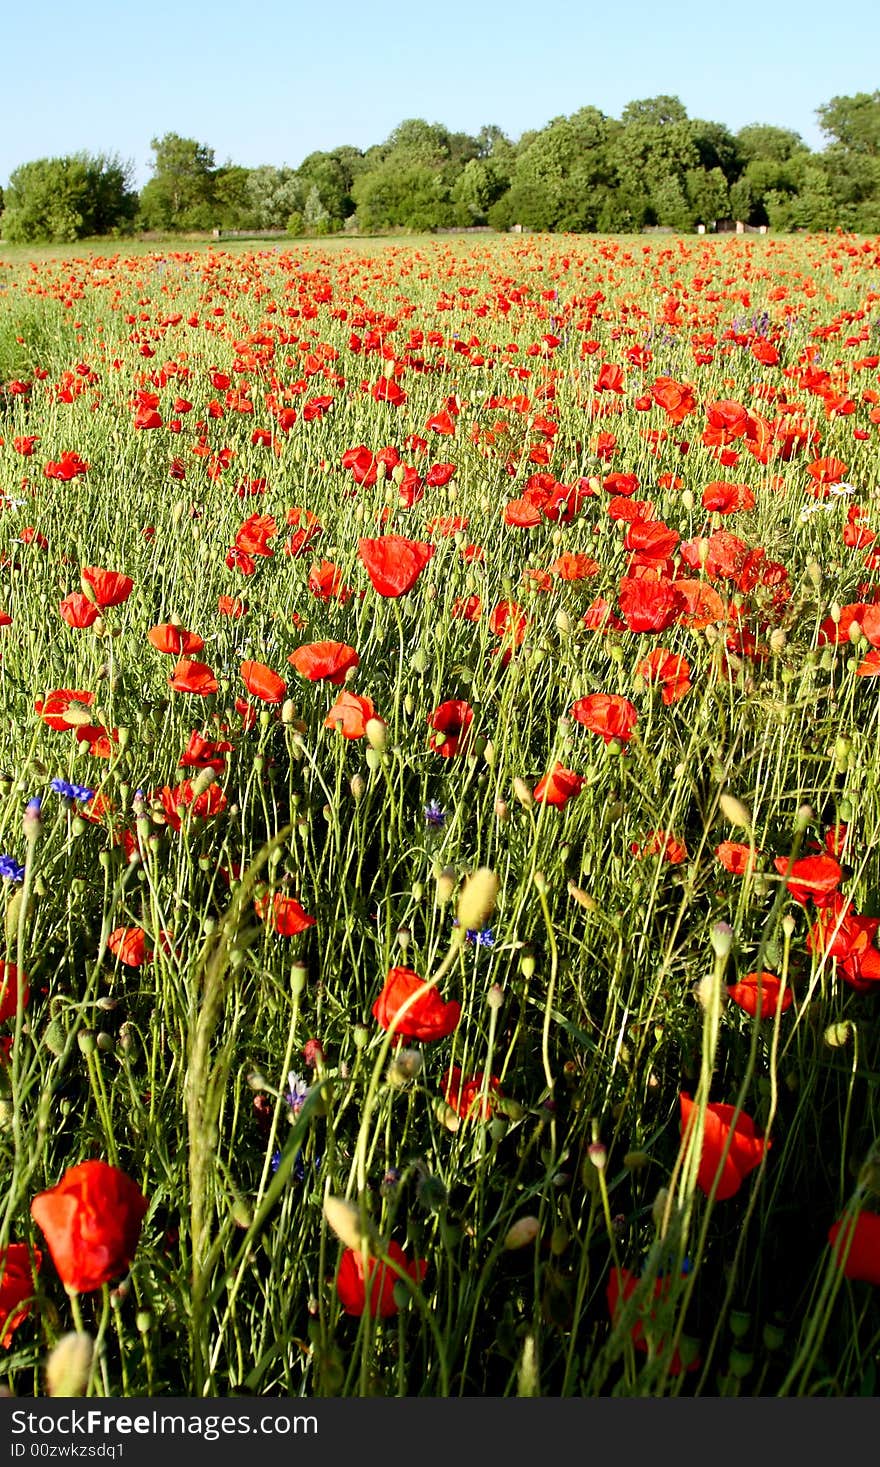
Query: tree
[
  {"x": 853, "y": 122},
  {"x": 180, "y": 195},
  {"x": 64, "y": 199},
  {"x": 775, "y": 144},
  {"x": 273, "y": 195},
  {"x": 561, "y": 179},
  {"x": 652, "y": 153}
]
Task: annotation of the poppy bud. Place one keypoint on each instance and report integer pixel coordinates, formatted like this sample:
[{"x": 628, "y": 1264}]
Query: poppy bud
[
  {"x": 70, "y": 1364},
  {"x": 447, "y": 1116},
  {"x": 376, "y": 733},
  {"x": 344, "y": 1219},
  {"x": 406, "y": 1065},
  {"x": 477, "y": 901},
  {"x": 837, "y": 1036},
  {"x": 445, "y": 885},
  {"x": 523, "y": 1232},
  {"x": 735, "y": 811},
  {"x": 721, "y": 938},
  {"x": 357, "y": 785},
  {"x": 523, "y": 792}
]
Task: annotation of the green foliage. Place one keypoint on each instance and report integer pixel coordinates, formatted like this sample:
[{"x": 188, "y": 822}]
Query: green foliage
[
  {"x": 181, "y": 193},
  {"x": 64, "y": 199}
]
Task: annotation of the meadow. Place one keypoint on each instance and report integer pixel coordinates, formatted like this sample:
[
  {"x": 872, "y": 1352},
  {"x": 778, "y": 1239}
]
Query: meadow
[{"x": 439, "y": 816}]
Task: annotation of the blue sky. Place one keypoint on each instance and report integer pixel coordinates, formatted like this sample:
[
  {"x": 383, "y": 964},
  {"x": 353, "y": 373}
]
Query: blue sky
[{"x": 273, "y": 81}]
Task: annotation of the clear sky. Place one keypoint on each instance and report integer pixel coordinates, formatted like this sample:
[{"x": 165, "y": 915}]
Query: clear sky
[{"x": 273, "y": 80}]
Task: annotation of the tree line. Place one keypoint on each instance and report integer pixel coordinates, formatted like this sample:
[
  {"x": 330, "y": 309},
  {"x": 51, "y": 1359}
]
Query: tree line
[{"x": 587, "y": 173}]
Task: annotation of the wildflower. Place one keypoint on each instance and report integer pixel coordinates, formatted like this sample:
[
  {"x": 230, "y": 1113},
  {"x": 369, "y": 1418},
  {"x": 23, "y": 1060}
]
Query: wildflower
[
  {"x": 428, "y": 1018},
  {"x": 17, "y": 1269},
  {"x": 72, "y": 791},
  {"x": 92, "y": 1223},
  {"x": 296, "y": 1093},
  {"x": 10, "y": 869},
  {"x": 745, "y": 1150},
  {"x": 354, "y": 1279},
  {"x": 858, "y": 1251},
  {"x": 435, "y": 815}
]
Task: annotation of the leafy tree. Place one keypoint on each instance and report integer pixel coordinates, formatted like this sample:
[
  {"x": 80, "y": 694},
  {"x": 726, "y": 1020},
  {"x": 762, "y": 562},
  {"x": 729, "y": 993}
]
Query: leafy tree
[
  {"x": 64, "y": 199},
  {"x": 231, "y": 197},
  {"x": 273, "y": 195},
  {"x": 180, "y": 195},
  {"x": 853, "y": 122},
  {"x": 413, "y": 198},
  {"x": 717, "y": 148},
  {"x": 652, "y": 153},
  {"x": 775, "y": 144},
  {"x": 560, "y": 180}
]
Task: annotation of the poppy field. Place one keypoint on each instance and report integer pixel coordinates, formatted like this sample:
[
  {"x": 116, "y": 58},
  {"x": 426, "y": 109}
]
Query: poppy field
[{"x": 439, "y": 819}]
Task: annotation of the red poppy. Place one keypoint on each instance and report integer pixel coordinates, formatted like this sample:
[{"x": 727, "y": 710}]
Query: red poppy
[
  {"x": 283, "y": 913},
  {"x": 723, "y": 498},
  {"x": 353, "y": 1282},
  {"x": 10, "y": 989},
  {"x": 464, "y": 1095},
  {"x": 841, "y": 934},
  {"x": 702, "y": 606},
  {"x": 350, "y": 714},
  {"x": 105, "y": 588},
  {"x": 253, "y": 536},
  {"x": 193, "y": 677},
  {"x": 824, "y": 471},
  {"x": 175, "y": 640},
  {"x": 621, "y": 1286},
  {"x": 263, "y": 683},
  {"x": 661, "y": 843},
  {"x": 201, "y": 753},
  {"x": 508, "y": 621},
  {"x": 558, "y": 787},
  {"x": 394, "y": 563},
  {"x": 735, "y": 856},
  {"x": 92, "y": 1222},
  {"x": 129, "y": 944},
  {"x": 761, "y": 995},
  {"x": 325, "y": 582},
  {"x": 60, "y": 702},
  {"x": 451, "y": 721},
  {"x": 427, "y": 1018},
  {"x": 606, "y": 714},
  {"x": 815, "y": 877},
  {"x": 648, "y": 605},
  {"x": 744, "y": 1152},
  {"x": 673, "y": 673},
  {"x": 231, "y": 606},
  {"x": 522, "y": 514},
  {"x": 573, "y": 566},
  {"x": 17, "y": 1268},
  {"x": 78, "y": 610},
  {"x": 859, "y": 1248},
  {"x": 324, "y": 660}
]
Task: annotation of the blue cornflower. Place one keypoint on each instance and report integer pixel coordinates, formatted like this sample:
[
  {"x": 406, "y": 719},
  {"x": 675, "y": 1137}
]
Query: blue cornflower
[
  {"x": 484, "y": 938},
  {"x": 72, "y": 791},
  {"x": 10, "y": 869},
  {"x": 435, "y": 814},
  {"x": 295, "y": 1096}
]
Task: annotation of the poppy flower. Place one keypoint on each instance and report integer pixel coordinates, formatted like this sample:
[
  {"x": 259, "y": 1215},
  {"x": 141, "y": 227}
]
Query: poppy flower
[
  {"x": 606, "y": 714},
  {"x": 735, "y": 856},
  {"x": 508, "y": 621},
  {"x": 841, "y": 934},
  {"x": 92, "y": 1223},
  {"x": 253, "y": 536},
  {"x": 353, "y": 1281},
  {"x": 451, "y": 721},
  {"x": 17, "y": 1268},
  {"x": 673, "y": 673},
  {"x": 202, "y": 753},
  {"x": 464, "y": 1095},
  {"x": 428, "y": 1018},
  {"x": 394, "y": 563},
  {"x": 61, "y": 702},
  {"x": 761, "y": 995},
  {"x": 129, "y": 944},
  {"x": 815, "y": 877},
  {"x": 193, "y": 677},
  {"x": 283, "y": 914},
  {"x": 621, "y": 1286},
  {"x": 745, "y": 1151},
  {"x": 573, "y": 566},
  {"x": 325, "y": 582},
  {"x": 10, "y": 989},
  {"x": 324, "y": 660},
  {"x": 701, "y": 605},
  {"x": 558, "y": 787},
  {"x": 350, "y": 714},
  {"x": 174, "y": 639},
  {"x": 858, "y": 1250},
  {"x": 78, "y": 610},
  {"x": 647, "y": 605},
  {"x": 522, "y": 514},
  {"x": 263, "y": 683},
  {"x": 661, "y": 843},
  {"x": 232, "y": 607},
  {"x": 104, "y": 587}
]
